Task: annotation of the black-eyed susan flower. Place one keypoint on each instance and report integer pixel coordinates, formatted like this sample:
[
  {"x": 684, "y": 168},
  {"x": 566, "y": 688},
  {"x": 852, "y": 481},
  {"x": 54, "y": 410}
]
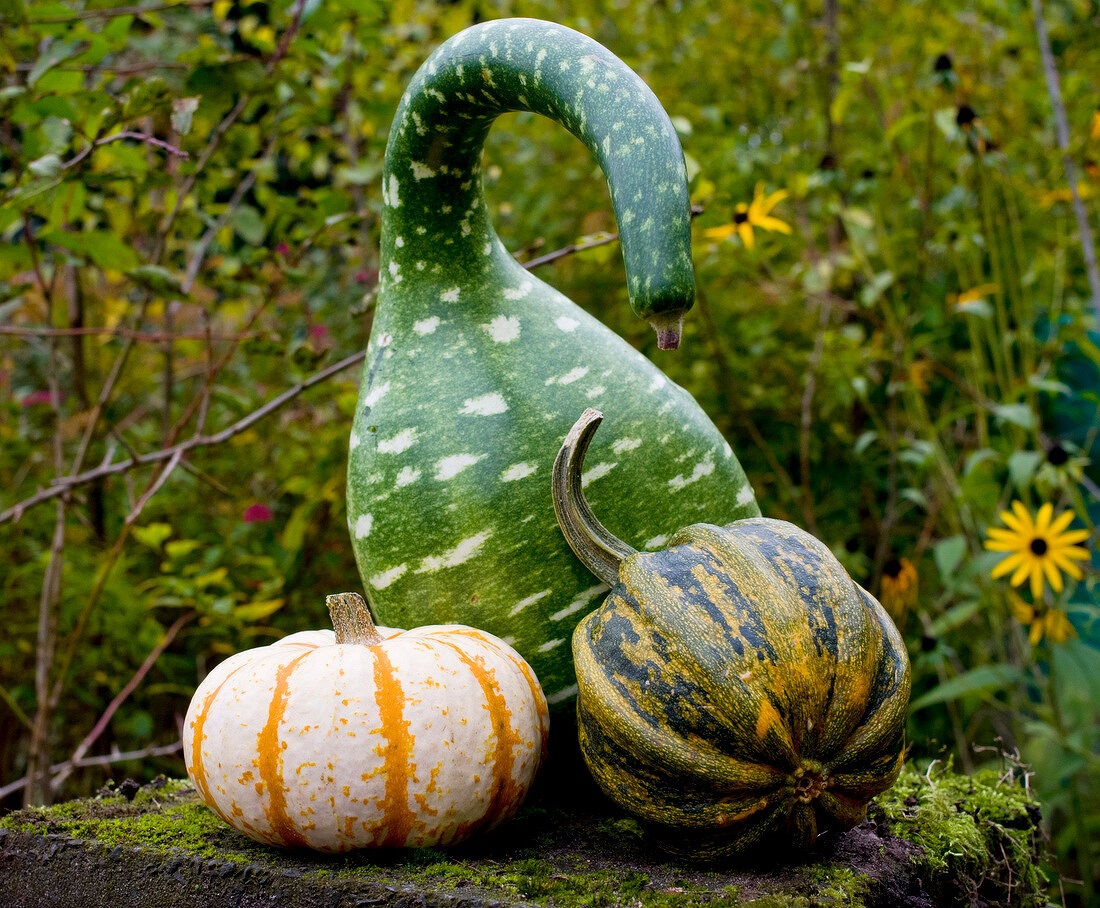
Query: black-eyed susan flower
[
  {"x": 1041, "y": 621},
  {"x": 748, "y": 216},
  {"x": 898, "y": 588},
  {"x": 1041, "y": 547},
  {"x": 1062, "y": 469}
]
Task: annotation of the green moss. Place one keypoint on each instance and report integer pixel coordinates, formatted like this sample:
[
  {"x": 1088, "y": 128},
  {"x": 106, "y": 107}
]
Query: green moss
[
  {"x": 177, "y": 821},
  {"x": 978, "y": 833},
  {"x": 976, "y": 838}
]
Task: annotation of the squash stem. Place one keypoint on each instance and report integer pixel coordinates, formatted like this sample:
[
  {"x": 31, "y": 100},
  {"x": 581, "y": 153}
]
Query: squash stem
[
  {"x": 599, "y": 551},
  {"x": 351, "y": 619}
]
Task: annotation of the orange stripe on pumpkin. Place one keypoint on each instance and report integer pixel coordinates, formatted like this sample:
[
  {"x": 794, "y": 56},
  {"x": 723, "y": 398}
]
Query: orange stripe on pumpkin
[
  {"x": 538, "y": 697},
  {"x": 505, "y": 793},
  {"x": 397, "y": 820},
  {"x": 269, "y": 761},
  {"x": 198, "y": 767}
]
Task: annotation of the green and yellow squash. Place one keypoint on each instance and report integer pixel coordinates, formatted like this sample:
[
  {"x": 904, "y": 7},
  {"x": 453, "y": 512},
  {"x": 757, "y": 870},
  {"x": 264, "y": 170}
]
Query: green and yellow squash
[
  {"x": 475, "y": 369},
  {"x": 736, "y": 687}
]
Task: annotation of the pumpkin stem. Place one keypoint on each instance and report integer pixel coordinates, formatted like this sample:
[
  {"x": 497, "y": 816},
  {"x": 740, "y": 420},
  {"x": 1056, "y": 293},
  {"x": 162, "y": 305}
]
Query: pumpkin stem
[
  {"x": 590, "y": 540},
  {"x": 351, "y": 619}
]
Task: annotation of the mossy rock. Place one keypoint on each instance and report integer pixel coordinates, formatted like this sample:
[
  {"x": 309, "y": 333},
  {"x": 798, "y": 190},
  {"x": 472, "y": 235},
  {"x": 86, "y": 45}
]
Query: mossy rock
[{"x": 934, "y": 839}]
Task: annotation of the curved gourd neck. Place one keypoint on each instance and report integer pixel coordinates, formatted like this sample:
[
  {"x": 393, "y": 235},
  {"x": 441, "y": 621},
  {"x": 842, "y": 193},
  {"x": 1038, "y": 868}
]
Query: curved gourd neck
[{"x": 435, "y": 218}]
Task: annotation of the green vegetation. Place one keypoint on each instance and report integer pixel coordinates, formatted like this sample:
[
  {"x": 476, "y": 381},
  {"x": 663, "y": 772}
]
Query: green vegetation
[
  {"x": 975, "y": 836},
  {"x": 895, "y": 330},
  {"x": 973, "y": 830}
]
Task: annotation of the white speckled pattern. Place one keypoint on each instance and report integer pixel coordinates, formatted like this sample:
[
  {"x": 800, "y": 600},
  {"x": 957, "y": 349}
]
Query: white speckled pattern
[
  {"x": 476, "y": 369},
  {"x": 421, "y": 739}
]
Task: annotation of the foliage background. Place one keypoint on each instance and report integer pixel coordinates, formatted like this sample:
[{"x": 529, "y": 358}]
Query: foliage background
[{"x": 892, "y": 373}]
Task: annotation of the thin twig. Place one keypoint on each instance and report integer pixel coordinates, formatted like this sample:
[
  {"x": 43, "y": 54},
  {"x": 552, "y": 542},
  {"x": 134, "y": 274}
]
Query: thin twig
[
  {"x": 573, "y": 248},
  {"x": 155, "y": 750},
  {"x": 111, "y": 468},
  {"x": 104, "y": 720},
  {"x": 66, "y": 483},
  {"x": 130, "y": 70},
  {"x": 119, "y": 11},
  {"x": 195, "y": 264},
  {"x": 127, "y": 134},
  {"x": 149, "y": 336},
  {"x": 46, "y": 645},
  {"x": 16, "y": 709},
  {"x": 220, "y": 130}
]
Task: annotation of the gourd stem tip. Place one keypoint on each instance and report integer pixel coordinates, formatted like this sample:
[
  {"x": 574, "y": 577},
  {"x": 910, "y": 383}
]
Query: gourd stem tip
[
  {"x": 669, "y": 327},
  {"x": 351, "y": 619},
  {"x": 600, "y": 551}
]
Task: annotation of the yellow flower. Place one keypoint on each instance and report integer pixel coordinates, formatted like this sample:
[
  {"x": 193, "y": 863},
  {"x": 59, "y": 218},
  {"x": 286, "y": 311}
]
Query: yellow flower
[
  {"x": 973, "y": 294},
  {"x": 1041, "y": 547},
  {"x": 1094, "y": 126},
  {"x": 917, "y": 374},
  {"x": 1051, "y": 623},
  {"x": 1052, "y": 196},
  {"x": 898, "y": 588},
  {"x": 756, "y": 213}
]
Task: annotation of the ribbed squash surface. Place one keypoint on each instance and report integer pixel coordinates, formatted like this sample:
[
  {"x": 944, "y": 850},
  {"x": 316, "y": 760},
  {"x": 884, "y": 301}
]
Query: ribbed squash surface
[
  {"x": 740, "y": 686},
  {"x": 424, "y": 738}
]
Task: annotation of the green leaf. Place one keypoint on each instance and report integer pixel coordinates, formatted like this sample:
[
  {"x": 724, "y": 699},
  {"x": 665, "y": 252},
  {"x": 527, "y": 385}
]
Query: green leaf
[
  {"x": 1018, "y": 414},
  {"x": 54, "y": 54},
  {"x": 9, "y": 307},
  {"x": 247, "y": 222},
  {"x": 945, "y": 120},
  {"x": 874, "y": 289},
  {"x": 181, "y": 548},
  {"x": 151, "y": 95},
  {"x": 979, "y": 457},
  {"x": 683, "y": 125},
  {"x": 215, "y": 577},
  {"x": 954, "y": 617},
  {"x": 12, "y": 12},
  {"x": 1022, "y": 466},
  {"x": 297, "y": 525},
  {"x": 56, "y": 134},
  {"x": 918, "y": 453},
  {"x": 254, "y": 611},
  {"x": 104, "y": 249},
  {"x": 982, "y": 680},
  {"x": 223, "y": 80},
  {"x": 692, "y": 166},
  {"x": 979, "y": 307},
  {"x": 360, "y": 175},
  {"x": 153, "y": 535},
  {"x": 182, "y": 111},
  {"x": 864, "y": 442},
  {"x": 948, "y": 554},
  {"x": 47, "y": 166},
  {"x": 61, "y": 81},
  {"x": 156, "y": 278},
  {"x": 917, "y": 497},
  {"x": 1049, "y": 385}
]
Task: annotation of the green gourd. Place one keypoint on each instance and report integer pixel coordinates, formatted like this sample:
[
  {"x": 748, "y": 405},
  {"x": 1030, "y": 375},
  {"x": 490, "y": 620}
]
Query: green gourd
[
  {"x": 475, "y": 368},
  {"x": 736, "y": 687}
]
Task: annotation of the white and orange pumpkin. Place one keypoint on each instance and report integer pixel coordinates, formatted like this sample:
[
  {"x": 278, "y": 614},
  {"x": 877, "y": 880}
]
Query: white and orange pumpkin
[{"x": 367, "y": 737}]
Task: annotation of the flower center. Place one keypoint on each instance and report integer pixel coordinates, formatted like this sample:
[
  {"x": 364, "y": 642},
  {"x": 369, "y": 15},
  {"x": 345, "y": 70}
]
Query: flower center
[
  {"x": 1057, "y": 455},
  {"x": 740, "y": 217},
  {"x": 892, "y": 568},
  {"x": 1038, "y": 547}
]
